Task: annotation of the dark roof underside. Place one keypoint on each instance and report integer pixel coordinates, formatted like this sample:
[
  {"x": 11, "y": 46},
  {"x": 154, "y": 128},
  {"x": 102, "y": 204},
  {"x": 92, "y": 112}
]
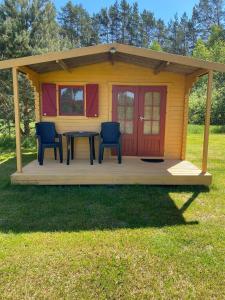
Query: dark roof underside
[{"x": 102, "y": 57}]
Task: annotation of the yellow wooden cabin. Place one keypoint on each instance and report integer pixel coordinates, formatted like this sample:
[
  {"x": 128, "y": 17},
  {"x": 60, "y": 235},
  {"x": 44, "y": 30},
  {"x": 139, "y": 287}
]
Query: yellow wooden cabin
[{"x": 154, "y": 125}]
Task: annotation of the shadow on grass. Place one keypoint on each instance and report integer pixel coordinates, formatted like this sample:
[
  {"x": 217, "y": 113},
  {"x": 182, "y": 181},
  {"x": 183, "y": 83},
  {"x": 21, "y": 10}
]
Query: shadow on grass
[{"x": 74, "y": 208}]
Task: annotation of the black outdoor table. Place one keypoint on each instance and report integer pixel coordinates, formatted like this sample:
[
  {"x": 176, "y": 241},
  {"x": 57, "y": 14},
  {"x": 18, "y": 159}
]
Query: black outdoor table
[{"x": 70, "y": 136}]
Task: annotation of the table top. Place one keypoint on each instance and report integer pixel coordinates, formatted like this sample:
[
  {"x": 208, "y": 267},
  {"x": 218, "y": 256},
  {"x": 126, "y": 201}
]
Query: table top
[{"x": 81, "y": 133}]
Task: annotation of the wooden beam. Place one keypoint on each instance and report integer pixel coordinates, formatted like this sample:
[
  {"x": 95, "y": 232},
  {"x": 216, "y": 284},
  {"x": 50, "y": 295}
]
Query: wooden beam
[
  {"x": 17, "y": 119},
  {"x": 63, "y": 65},
  {"x": 199, "y": 73},
  {"x": 111, "y": 58},
  {"x": 207, "y": 122},
  {"x": 161, "y": 66},
  {"x": 29, "y": 71}
]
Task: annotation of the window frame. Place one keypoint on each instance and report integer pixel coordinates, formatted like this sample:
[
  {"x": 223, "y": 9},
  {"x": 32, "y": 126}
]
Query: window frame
[{"x": 60, "y": 87}]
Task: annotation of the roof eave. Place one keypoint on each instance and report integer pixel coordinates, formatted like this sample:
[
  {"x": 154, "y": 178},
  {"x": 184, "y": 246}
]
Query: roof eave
[{"x": 103, "y": 48}]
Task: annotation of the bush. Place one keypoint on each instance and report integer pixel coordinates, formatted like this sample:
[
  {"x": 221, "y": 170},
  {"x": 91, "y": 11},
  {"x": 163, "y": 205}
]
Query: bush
[{"x": 8, "y": 143}]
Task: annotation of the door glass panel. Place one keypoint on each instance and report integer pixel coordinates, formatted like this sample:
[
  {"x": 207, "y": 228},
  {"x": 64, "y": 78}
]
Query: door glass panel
[
  {"x": 129, "y": 113},
  {"x": 122, "y": 126},
  {"x": 129, "y": 127},
  {"x": 156, "y": 96},
  {"x": 152, "y": 113},
  {"x": 155, "y": 127},
  {"x": 126, "y": 98},
  {"x": 129, "y": 98},
  {"x": 147, "y": 127},
  {"x": 148, "y": 98},
  {"x": 156, "y": 113},
  {"x": 148, "y": 112},
  {"x": 125, "y": 111},
  {"x": 121, "y": 99},
  {"x": 121, "y": 112}
]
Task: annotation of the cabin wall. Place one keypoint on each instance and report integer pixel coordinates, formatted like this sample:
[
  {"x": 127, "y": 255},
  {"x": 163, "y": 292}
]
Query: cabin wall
[{"x": 106, "y": 75}]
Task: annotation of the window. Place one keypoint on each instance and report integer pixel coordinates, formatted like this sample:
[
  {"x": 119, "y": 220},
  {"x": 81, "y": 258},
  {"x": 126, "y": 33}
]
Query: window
[
  {"x": 125, "y": 111},
  {"x": 152, "y": 113},
  {"x": 71, "y": 100}
]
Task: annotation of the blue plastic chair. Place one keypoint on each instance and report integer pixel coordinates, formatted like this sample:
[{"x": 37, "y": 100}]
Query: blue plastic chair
[
  {"x": 48, "y": 138},
  {"x": 110, "y": 138}
]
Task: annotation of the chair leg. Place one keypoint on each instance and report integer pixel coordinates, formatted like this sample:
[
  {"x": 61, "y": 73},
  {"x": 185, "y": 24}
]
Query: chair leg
[
  {"x": 100, "y": 155},
  {"x": 119, "y": 154},
  {"x": 41, "y": 156},
  {"x": 61, "y": 153},
  {"x": 103, "y": 150},
  {"x": 55, "y": 153}
]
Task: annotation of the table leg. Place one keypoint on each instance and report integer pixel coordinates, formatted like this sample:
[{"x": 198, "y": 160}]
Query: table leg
[
  {"x": 68, "y": 149},
  {"x": 91, "y": 150},
  {"x": 93, "y": 146},
  {"x": 72, "y": 147}
]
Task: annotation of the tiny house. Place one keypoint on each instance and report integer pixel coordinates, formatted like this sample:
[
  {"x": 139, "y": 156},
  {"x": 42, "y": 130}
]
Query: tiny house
[{"x": 145, "y": 91}]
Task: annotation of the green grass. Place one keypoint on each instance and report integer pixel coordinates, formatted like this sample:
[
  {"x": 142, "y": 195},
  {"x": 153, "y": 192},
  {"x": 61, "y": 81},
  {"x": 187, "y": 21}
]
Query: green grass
[{"x": 129, "y": 242}]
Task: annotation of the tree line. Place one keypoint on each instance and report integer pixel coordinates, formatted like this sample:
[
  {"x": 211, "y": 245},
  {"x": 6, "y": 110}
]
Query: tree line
[{"x": 31, "y": 27}]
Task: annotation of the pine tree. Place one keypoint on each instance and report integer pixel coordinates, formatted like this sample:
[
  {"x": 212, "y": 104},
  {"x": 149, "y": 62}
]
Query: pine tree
[
  {"x": 104, "y": 25},
  {"x": 76, "y": 25},
  {"x": 147, "y": 28},
  {"x": 95, "y": 30},
  {"x": 115, "y": 24},
  {"x": 174, "y": 37},
  {"x": 134, "y": 26},
  {"x": 208, "y": 13},
  {"x": 125, "y": 12},
  {"x": 185, "y": 35},
  {"x": 26, "y": 28},
  {"x": 161, "y": 33}
]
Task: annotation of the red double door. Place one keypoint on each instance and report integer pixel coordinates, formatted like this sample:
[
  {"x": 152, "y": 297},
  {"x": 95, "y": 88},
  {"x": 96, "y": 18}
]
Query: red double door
[{"x": 140, "y": 110}]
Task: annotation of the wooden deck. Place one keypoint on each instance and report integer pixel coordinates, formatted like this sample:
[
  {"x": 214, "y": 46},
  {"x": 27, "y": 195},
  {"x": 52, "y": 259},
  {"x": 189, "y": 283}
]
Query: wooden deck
[{"x": 131, "y": 171}]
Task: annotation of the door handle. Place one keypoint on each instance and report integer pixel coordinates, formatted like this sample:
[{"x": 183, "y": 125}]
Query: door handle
[{"x": 142, "y": 118}]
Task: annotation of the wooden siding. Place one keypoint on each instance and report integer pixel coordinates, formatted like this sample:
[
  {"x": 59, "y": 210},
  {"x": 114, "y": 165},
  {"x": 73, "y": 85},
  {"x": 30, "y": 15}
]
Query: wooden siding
[{"x": 106, "y": 75}]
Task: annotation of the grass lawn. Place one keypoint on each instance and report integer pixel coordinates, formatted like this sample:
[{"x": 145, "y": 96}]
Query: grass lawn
[{"x": 129, "y": 242}]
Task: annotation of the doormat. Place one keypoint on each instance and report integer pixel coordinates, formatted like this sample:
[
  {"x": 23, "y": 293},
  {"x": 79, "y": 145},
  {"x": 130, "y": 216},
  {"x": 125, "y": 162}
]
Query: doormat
[{"x": 152, "y": 160}]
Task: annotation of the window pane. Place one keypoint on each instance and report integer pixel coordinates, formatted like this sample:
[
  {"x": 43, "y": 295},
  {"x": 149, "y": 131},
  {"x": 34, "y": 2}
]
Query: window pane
[
  {"x": 121, "y": 99},
  {"x": 126, "y": 98},
  {"x": 121, "y": 112},
  {"x": 147, "y": 127},
  {"x": 148, "y": 98},
  {"x": 156, "y": 113},
  {"x": 72, "y": 101},
  {"x": 129, "y": 113},
  {"x": 148, "y": 112},
  {"x": 129, "y": 98},
  {"x": 155, "y": 127},
  {"x": 156, "y": 98},
  {"x": 122, "y": 123},
  {"x": 129, "y": 127}
]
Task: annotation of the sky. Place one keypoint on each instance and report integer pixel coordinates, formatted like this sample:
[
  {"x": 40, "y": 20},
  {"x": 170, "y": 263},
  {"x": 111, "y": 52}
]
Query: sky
[{"x": 164, "y": 9}]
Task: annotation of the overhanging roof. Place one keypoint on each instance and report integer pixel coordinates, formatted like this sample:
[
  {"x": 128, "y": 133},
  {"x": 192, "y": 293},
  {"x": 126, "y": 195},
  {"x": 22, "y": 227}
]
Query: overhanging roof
[{"x": 159, "y": 61}]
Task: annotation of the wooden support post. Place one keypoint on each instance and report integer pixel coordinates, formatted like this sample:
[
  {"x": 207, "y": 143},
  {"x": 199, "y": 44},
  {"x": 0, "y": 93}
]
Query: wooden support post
[
  {"x": 17, "y": 119},
  {"x": 185, "y": 124},
  {"x": 207, "y": 122}
]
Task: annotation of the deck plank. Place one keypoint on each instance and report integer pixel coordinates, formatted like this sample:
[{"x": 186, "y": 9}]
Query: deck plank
[{"x": 131, "y": 171}]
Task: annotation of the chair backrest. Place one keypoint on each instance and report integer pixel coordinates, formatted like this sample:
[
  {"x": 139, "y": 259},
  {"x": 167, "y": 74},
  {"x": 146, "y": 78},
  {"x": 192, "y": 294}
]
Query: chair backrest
[
  {"x": 110, "y": 132},
  {"x": 47, "y": 131}
]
